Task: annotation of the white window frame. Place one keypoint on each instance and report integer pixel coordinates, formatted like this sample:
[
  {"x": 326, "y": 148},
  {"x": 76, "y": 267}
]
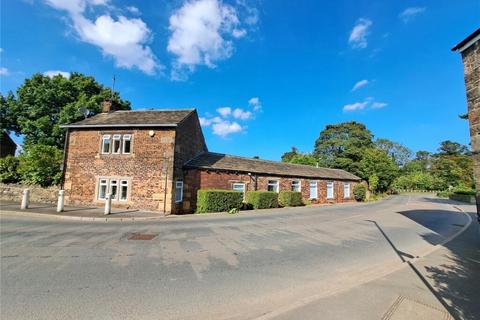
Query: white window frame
[
  {"x": 299, "y": 183},
  {"x": 331, "y": 183},
  {"x": 346, "y": 186},
  {"x": 276, "y": 185},
  {"x": 100, "y": 184},
  {"x": 116, "y": 138},
  {"x": 106, "y": 137},
  {"x": 178, "y": 191},
  {"x": 123, "y": 183},
  {"x": 311, "y": 189},
  {"x": 126, "y": 137},
  {"x": 111, "y": 184}
]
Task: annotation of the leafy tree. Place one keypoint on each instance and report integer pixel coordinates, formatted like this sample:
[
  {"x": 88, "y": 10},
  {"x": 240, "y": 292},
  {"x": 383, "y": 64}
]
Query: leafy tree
[
  {"x": 377, "y": 163},
  {"x": 451, "y": 171},
  {"x": 40, "y": 164},
  {"x": 343, "y": 145},
  {"x": 452, "y": 148},
  {"x": 8, "y": 121},
  {"x": 42, "y": 104},
  {"x": 9, "y": 169},
  {"x": 373, "y": 182},
  {"x": 415, "y": 181},
  {"x": 306, "y": 159},
  {"x": 287, "y": 156},
  {"x": 397, "y": 151}
]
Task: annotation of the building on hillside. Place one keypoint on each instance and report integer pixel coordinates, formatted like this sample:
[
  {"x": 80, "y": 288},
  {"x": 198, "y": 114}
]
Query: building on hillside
[
  {"x": 470, "y": 51},
  {"x": 158, "y": 160},
  {"x": 7, "y": 145}
]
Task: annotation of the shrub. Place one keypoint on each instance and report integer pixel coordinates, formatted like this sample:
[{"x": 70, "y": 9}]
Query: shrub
[
  {"x": 360, "y": 192},
  {"x": 290, "y": 199},
  {"x": 8, "y": 170},
  {"x": 40, "y": 164},
  {"x": 444, "y": 194},
  {"x": 465, "y": 192},
  {"x": 218, "y": 200},
  {"x": 262, "y": 199}
]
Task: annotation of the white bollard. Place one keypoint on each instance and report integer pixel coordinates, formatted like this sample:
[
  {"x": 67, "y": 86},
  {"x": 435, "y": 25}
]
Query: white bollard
[
  {"x": 61, "y": 199},
  {"x": 25, "y": 199},
  {"x": 108, "y": 204}
]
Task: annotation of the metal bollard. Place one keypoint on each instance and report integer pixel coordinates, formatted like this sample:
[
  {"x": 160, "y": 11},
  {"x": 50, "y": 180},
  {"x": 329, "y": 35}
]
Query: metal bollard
[
  {"x": 61, "y": 198},
  {"x": 25, "y": 199},
  {"x": 108, "y": 204}
]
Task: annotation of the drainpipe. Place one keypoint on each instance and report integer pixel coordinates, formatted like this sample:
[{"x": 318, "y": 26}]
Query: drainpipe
[
  {"x": 64, "y": 163},
  {"x": 165, "y": 191}
]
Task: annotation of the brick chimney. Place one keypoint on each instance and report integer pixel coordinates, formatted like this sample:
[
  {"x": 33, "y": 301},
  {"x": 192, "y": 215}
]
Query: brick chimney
[{"x": 107, "y": 106}]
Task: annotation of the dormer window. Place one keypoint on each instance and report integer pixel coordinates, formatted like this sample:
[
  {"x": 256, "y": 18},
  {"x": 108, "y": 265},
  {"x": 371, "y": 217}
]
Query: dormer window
[{"x": 116, "y": 144}]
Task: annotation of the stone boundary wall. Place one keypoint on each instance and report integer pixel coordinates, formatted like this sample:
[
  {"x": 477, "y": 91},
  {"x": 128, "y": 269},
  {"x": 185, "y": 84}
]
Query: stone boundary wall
[{"x": 13, "y": 192}]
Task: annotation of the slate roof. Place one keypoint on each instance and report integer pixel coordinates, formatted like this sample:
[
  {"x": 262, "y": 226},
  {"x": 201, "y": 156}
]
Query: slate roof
[
  {"x": 465, "y": 41},
  {"x": 134, "y": 118},
  {"x": 223, "y": 162}
]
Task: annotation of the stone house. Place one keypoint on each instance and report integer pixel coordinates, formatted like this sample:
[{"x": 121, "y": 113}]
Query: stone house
[
  {"x": 470, "y": 51},
  {"x": 7, "y": 145},
  {"x": 158, "y": 159}
]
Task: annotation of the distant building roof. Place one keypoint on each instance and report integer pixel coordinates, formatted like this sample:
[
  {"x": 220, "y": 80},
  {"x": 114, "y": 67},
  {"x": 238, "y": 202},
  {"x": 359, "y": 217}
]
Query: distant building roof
[
  {"x": 134, "y": 118},
  {"x": 218, "y": 161},
  {"x": 7, "y": 145},
  {"x": 468, "y": 41}
]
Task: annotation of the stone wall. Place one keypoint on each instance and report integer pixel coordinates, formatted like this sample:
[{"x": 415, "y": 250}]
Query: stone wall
[
  {"x": 148, "y": 168},
  {"x": 204, "y": 179},
  {"x": 13, "y": 192},
  {"x": 471, "y": 61}
]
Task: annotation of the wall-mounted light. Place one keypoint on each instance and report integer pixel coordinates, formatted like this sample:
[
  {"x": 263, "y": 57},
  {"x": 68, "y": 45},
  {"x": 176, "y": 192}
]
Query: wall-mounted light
[{"x": 151, "y": 133}]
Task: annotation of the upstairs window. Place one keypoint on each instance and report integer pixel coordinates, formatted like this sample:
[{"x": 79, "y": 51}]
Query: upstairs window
[
  {"x": 116, "y": 143},
  {"x": 127, "y": 142},
  {"x": 106, "y": 144},
  {"x": 273, "y": 186},
  {"x": 296, "y": 186}
]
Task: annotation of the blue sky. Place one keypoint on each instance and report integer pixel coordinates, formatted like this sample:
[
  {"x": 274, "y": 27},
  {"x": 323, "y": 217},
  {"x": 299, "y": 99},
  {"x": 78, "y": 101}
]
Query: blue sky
[{"x": 264, "y": 75}]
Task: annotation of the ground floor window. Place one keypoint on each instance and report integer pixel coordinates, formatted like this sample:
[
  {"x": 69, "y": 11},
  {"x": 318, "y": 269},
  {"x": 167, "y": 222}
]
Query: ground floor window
[
  {"x": 117, "y": 188},
  {"x": 346, "y": 190},
  {"x": 178, "y": 191},
  {"x": 330, "y": 190},
  {"x": 273, "y": 185},
  {"x": 296, "y": 186},
  {"x": 313, "y": 190}
]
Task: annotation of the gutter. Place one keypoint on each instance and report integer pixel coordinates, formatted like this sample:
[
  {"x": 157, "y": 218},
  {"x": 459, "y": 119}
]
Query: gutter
[{"x": 143, "y": 125}]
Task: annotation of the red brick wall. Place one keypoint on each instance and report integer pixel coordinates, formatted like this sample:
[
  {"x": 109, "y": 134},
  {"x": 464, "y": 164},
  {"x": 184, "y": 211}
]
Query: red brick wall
[
  {"x": 202, "y": 179},
  {"x": 145, "y": 167}
]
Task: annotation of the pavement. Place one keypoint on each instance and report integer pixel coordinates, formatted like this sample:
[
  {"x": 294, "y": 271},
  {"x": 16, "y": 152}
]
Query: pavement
[{"x": 406, "y": 257}]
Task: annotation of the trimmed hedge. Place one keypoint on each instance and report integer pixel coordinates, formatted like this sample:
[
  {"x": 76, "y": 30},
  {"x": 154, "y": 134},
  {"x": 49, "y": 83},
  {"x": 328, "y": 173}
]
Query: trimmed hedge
[
  {"x": 211, "y": 200},
  {"x": 290, "y": 199},
  {"x": 360, "y": 192},
  {"x": 262, "y": 199},
  {"x": 465, "y": 192}
]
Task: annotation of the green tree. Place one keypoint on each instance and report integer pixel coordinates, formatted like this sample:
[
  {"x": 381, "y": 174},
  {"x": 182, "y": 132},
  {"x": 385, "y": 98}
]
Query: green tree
[
  {"x": 287, "y": 156},
  {"x": 376, "y": 162},
  {"x": 8, "y": 119},
  {"x": 9, "y": 169},
  {"x": 397, "y": 151},
  {"x": 415, "y": 181},
  {"x": 306, "y": 159},
  {"x": 343, "y": 145},
  {"x": 452, "y": 148},
  {"x": 42, "y": 104},
  {"x": 40, "y": 164}
]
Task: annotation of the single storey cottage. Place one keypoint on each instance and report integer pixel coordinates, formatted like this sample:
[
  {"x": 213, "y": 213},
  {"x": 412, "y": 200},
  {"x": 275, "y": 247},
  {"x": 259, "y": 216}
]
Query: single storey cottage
[{"x": 158, "y": 160}]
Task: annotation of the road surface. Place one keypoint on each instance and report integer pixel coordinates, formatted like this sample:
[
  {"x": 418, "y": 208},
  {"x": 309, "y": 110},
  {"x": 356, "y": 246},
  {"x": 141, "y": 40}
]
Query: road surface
[{"x": 217, "y": 267}]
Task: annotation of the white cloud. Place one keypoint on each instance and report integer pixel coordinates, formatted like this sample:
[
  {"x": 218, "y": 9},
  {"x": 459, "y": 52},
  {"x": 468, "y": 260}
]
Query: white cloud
[
  {"x": 4, "y": 71},
  {"x": 206, "y": 122},
  {"x": 355, "y": 106},
  {"x": 241, "y": 114},
  {"x": 123, "y": 39},
  {"x": 360, "y": 84},
  {"x": 224, "y": 111},
  {"x": 255, "y": 103},
  {"x": 52, "y": 73},
  {"x": 379, "y": 105},
  {"x": 225, "y": 128},
  {"x": 133, "y": 10},
  {"x": 358, "y": 36},
  {"x": 409, "y": 13},
  {"x": 200, "y": 32}
]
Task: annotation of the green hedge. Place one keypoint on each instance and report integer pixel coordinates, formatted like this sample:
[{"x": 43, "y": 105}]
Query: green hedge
[
  {"x": 262, "y": 199},
  {"x": 465, "y": 192},
  {"x": 218, "y": 200},
  {"x": 290, "y": 199},
  {"x": 360, "y": 192}
]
